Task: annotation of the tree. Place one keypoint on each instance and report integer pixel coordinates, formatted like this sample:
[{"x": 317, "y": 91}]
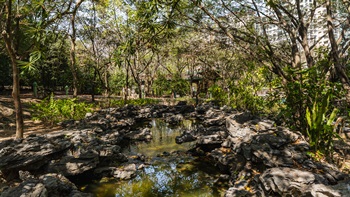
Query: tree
[
  {"x": 72, "y": 50},
  {"x": 11, "y": 50},
  {"x": 21, "y": 39},
  {"x": 282, "y": 36}
]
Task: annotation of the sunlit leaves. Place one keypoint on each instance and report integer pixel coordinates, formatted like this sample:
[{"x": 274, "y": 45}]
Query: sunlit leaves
[{"x": 28, "y": 67}]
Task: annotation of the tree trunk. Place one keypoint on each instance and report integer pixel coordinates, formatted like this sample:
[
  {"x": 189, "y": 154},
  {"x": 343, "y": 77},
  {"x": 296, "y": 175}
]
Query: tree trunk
[
  {"x": 140, "y": 89},
  {"x": 73, "y": 66},
  {"x": 6, "y": 34},
  {"x": 339, "y": 68},
  {"x": 126, "y": 83},
  {"x": 72, "y": 50},
  {"x": 93, "y": 87}
]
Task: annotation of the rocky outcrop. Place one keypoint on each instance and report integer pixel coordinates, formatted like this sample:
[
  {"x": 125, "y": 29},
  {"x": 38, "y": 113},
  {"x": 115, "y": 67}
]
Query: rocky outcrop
[
  {"x": 48, "y": 185},
  {"x": 89, "y": 145},
  {"x": 262, "y": 159},
  {"x": 288, "y": 181},
  {"x": 259, "y": 158}
]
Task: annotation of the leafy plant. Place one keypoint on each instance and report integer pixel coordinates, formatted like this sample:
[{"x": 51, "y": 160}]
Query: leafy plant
[
  {"x": 320, "y": 126},
  {"x": 52, "y": 111},
  {"x": 219, "y": 96},
  {"x": 161, "y": 85},
  {"x": 308, "y": 108},
  {"x": 179, "y": 85},
  {"x": 137, "y": 102}
]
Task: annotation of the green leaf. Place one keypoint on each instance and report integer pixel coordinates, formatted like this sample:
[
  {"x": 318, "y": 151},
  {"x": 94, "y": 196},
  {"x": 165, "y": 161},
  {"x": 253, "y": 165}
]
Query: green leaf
[{"x": 308, "y": 117}]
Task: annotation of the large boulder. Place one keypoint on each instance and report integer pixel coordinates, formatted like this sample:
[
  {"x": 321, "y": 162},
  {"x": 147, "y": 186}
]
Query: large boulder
[
  {"x": 295, "y": 182},
  {"x": 48, "y": 185}
]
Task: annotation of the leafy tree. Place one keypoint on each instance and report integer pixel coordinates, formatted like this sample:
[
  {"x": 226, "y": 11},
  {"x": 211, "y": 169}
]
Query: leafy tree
[
  {"x": 295, "y": 61},
  {"x": 23, "y": 27}
]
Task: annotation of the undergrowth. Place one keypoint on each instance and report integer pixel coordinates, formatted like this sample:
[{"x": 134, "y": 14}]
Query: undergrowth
[{"x": 52, "y": 111}]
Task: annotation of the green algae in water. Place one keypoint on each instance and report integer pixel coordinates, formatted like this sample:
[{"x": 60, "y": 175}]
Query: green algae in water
[{"x": 175, "y": 175}]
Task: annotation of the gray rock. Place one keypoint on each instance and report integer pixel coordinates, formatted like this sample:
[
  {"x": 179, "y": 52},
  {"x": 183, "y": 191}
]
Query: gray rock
[
  {"x": 288, "y": 181},
  {"x": 185, "y": 137},
  {"x": 48, "y": 185},
  {"x": 209, "y": 139},
  {"x": 125, "y": 172},
  {"x": 142, "y": 134},
  {"x": 88, "y": 115},
  {"x": 174, "y": 119},
  {"x": 32, "y": 153},
  {"x": 75, "y": 164},
  {"x": 30, "y": 188}
]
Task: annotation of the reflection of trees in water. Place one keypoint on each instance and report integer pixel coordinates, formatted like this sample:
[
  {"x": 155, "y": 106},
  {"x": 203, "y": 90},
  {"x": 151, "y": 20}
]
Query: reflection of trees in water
[
  {"x": 163, "y": 138},
  {"x": 168, "y": 179},
  {"x": 180, "y": 175}
]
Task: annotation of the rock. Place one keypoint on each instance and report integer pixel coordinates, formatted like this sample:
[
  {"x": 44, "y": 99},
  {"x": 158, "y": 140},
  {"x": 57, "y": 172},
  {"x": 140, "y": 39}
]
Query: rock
[
  {"x": 25, "y": 175},
  {"x": 185, "y": 137},
  {"x": 88, "y": 115},
  {"x": 141, "y": 135},
  {"x": 48, "y": 185},
  {"x": 236, "y": 129},
  {"x": 214, "y": 117},
  {"x": 181, "y": 103},
  {"x": 125, "y": 172},
  {"x": 226, "y": 109},
  {"x": 226, "y": 160},
  {"x": 209, "y": 139},
  {"x": 174, "y": 119},
  {"x": 288, "y": 181},
  {"x": 320, "y": 190},
  {"x": 32, "y": 153},
  {"x": 77, "y": 163},
  {"x": 67, "y": 123},
  {"x": 201, "y": 109},
  {"x": 32, "y": 188},
  {"x": 184, "y": 108},
  {"x": 237, "y": 192}
]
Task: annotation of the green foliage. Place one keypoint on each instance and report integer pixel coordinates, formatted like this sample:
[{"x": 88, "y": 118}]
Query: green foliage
[
  {"x": 179, "y": 85},
  {"x": 243, "y": 98},
  {"x": 136, "y": 102},
  {"x": 244, "y": 91},
  {"x": 308, "y": 107},
  {"x": 219, "y": 96},
  {"x": 52, "y": 111},
  {"x": 320, "y": 129},
  {"x": 161, "y": 85}
]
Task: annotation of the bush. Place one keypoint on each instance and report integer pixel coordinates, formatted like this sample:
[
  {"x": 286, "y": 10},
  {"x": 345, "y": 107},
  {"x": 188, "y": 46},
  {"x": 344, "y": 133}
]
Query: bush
[
  {"x": 137, "y": 102},
  {"x": 219, "y": 96},
  {"x": 53, "y": 111}
]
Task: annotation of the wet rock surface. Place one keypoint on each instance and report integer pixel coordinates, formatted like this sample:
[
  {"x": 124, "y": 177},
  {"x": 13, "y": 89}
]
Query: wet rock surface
[{"x": 258, "y": 158}]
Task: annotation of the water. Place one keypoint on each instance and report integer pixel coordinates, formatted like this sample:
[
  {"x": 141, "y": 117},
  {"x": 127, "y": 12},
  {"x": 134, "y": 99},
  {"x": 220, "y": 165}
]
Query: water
[{"x": 176, "y": 175}]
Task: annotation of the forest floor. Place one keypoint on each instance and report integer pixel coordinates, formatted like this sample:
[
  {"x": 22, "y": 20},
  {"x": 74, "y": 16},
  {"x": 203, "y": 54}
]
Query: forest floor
[{"x": 8, "y": 117}]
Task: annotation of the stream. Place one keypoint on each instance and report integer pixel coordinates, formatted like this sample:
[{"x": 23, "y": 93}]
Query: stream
[{"x": 169, "y": 170}]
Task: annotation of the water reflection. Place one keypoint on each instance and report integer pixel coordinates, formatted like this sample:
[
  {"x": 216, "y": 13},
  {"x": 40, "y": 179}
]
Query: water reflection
[
  {"x": 163, "y": 139},
  {"x": 175, "y": 175}
]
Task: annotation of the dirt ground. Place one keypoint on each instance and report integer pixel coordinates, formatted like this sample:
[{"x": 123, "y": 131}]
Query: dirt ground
[{"x": 8, "y": 117}]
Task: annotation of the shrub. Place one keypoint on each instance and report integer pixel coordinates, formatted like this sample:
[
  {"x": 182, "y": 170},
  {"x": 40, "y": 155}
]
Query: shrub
[
  {"x": 219, "y": 96},
  {"x": 137, "y": 102},
  {"x": 53, "y": 111}
]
